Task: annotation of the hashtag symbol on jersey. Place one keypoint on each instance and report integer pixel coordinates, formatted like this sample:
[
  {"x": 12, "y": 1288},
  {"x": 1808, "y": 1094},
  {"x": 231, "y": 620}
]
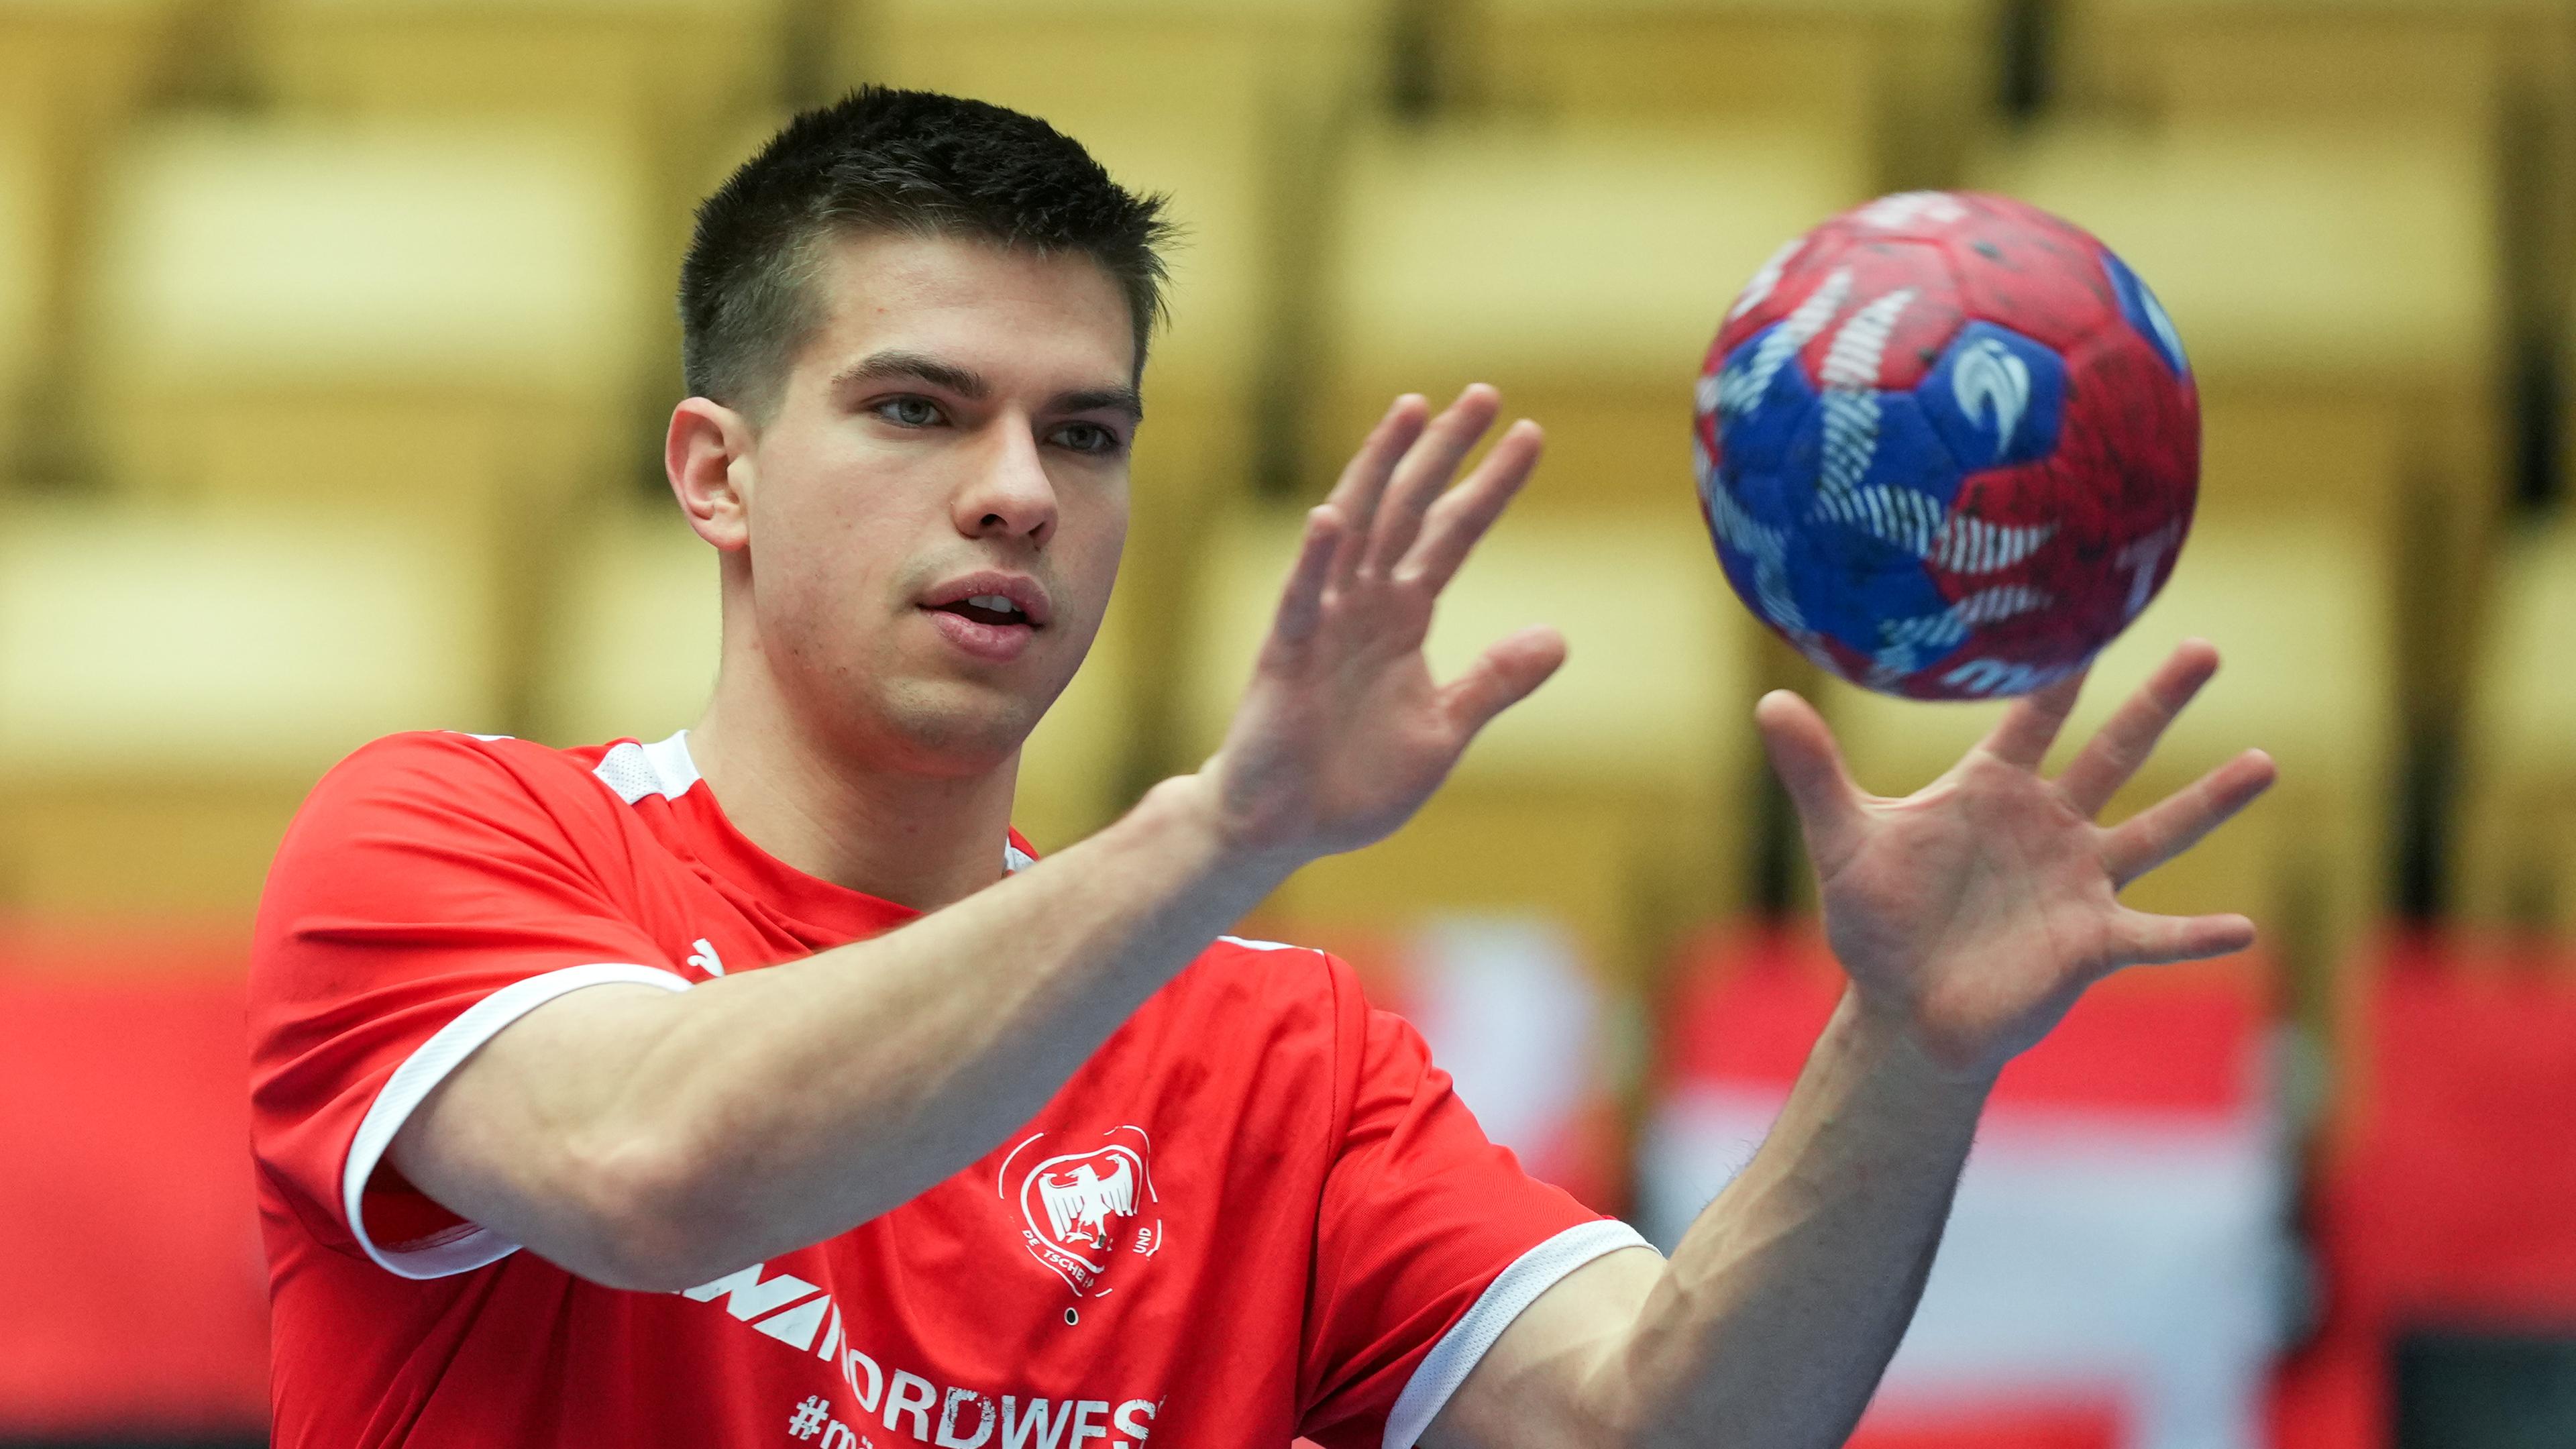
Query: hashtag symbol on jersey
[{"x": 809, "y": 1417}]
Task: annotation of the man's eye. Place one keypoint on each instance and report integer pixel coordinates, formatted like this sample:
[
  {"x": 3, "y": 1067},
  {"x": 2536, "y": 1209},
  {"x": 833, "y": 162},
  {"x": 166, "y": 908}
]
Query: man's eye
[
  {"x": 909, "y": 412},
  {"x": 1087, "y": 438}
]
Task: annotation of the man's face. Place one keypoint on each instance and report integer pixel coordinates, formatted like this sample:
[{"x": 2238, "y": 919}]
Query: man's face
[{"x": 958, "y": 430}]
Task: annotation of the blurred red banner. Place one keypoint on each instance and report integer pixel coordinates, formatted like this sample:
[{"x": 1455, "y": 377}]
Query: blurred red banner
[{"x": 133, "y": 1297}]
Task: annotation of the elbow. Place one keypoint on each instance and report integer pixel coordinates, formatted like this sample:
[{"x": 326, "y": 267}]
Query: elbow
[
  {"x": 1619, "y": 1409},
  {"x": 645, "y": 1219}
]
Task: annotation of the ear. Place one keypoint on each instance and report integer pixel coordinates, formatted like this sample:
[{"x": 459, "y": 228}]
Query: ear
[{"x": 708, "y": 455}]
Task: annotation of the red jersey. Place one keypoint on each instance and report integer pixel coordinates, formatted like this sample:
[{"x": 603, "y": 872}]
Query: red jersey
[{"x": 1256, "y": 1211}]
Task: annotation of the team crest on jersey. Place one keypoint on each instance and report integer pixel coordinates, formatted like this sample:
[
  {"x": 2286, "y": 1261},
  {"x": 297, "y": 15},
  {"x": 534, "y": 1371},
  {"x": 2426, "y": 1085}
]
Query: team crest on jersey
[{"x": 1084, "y": 1203}]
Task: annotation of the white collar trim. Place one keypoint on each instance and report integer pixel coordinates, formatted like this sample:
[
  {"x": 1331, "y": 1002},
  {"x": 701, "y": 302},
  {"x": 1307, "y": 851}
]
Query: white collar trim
[
  {"x": 635, "y": 771},
  {"x": 665, "y": 769}
]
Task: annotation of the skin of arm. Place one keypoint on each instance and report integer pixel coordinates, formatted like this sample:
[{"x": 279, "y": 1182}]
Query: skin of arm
[
  {"x": 1970, "y": 917},
  {"x": 1783, "y": 1302},
  {"x": 653, "y": 1140},
  {"x": 656, "y": 1140}
]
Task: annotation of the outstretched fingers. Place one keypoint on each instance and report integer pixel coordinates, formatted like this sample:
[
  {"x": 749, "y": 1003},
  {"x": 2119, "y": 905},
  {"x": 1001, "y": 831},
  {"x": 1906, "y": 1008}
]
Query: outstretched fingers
[
  {"x": 1465, "y": 513},
  {"x": 1424, "y": 475},
  {"x": 2176, "y": 823},
  {"x": 1301, "y": 599},
  {"x": 2122, "y": 745},
  {"x": 1364, "y": 479},
  {"x": 2022, "y": 737},
  {"x": 2140, "y": 939},
  {"x": 1810, "y": 767}
]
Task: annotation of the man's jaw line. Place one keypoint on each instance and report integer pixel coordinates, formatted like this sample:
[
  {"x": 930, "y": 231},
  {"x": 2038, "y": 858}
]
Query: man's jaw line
[{"x": 870, "y": 808}]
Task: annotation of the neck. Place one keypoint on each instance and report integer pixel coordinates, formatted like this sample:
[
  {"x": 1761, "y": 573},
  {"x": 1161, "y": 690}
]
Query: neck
[{"x": 919, "y": 841}]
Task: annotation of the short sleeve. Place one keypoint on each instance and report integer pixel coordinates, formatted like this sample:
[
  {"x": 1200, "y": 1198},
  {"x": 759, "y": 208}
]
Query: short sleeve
[
  {"x": 1431, "y": 1239},
  {"x": 425, "y": 897}
]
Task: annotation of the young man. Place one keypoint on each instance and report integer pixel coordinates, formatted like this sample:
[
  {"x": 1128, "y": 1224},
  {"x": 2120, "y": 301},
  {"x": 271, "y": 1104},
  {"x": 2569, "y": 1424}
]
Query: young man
[{"x": 755, "y": 1086}]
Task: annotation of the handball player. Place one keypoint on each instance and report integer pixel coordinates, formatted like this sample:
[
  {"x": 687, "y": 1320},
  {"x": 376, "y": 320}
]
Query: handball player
[{"x": 756, "y": 1087}]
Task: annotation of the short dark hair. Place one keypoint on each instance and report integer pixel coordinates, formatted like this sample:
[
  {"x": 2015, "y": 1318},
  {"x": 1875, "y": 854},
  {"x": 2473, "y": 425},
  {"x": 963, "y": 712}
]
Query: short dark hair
[{"x": 888, "y": 160}]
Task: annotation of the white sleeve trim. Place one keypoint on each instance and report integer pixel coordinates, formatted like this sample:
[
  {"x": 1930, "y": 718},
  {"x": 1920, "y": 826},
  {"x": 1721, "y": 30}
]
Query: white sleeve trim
[
  {"x": 1460, "y": 1349},
  {"x": 466, "y": 1246}
]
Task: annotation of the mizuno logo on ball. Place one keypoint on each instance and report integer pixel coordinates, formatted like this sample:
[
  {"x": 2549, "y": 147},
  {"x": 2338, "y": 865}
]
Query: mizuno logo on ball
[{"x": 1991, "y": 384}]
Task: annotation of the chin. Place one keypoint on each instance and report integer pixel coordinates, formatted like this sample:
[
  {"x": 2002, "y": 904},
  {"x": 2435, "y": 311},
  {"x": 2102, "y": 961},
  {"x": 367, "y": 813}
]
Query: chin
[{"x": 957, "y": 731}]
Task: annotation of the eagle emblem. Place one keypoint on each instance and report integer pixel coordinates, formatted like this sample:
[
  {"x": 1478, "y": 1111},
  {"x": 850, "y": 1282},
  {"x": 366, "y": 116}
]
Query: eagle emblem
[
  {"x": 1080, "y": 1203},
  {"x": 1080, "y": 1210}
]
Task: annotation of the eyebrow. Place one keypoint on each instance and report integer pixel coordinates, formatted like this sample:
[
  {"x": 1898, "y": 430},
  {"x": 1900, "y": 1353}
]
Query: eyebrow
[
  {"x": 1125, "y": 401},
  {"x": 895, "y": 365}
]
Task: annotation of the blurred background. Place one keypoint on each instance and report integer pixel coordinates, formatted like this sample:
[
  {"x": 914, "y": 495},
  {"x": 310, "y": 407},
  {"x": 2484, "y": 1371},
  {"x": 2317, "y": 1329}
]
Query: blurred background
[{"x": 336, "y": 343}]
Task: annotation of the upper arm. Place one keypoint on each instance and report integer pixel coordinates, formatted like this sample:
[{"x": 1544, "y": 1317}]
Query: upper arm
[
  {"x": 423, "y": 900},
  {"x": 1551, "y": 1378},
  {"x": 521, "y": 1137}
]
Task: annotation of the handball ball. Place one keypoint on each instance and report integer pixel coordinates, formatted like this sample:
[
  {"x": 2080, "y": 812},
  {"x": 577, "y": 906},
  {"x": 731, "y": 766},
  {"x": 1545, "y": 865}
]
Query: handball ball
[{"x": 1947, "y": 445}]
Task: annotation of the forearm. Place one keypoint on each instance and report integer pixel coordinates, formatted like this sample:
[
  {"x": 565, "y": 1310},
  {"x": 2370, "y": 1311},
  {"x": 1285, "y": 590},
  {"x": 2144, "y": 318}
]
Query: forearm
[
  {"x": 1972, "y": 914},
  {"x": 1779, "y": 1310},
  {"x": 655, "y": 1140},
  {"x": 819, "y": 1093}
]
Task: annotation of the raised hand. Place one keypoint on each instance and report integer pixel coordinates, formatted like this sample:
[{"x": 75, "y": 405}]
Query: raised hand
[
  {"x": 1344, "y": 733},
  {"x": 1974, "y": 911}
]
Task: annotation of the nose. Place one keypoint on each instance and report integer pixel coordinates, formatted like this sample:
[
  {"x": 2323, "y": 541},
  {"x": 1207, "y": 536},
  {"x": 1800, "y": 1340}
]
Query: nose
[{"x": 1009, "y": 494}]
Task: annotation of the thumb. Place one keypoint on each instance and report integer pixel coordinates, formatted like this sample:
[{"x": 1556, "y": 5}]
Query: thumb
[
  {"x": 1810, "y": 767},
  {"x": 1503, "y": 676}
]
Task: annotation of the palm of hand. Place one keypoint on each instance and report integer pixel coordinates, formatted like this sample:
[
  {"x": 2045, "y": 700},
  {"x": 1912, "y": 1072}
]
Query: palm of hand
[
  {"x": 1344, "y": 732},
  {"x": 1337, "y": 751},
  {"x": 1977, "y": 910}
]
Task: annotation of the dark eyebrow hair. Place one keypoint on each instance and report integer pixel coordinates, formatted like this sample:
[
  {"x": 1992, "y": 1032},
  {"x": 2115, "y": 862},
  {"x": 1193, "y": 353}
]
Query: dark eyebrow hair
[
  {"x": 1125, "y": 401},
  {"x": 895, "y": 364},
  {"x": 891, "y": 365}
]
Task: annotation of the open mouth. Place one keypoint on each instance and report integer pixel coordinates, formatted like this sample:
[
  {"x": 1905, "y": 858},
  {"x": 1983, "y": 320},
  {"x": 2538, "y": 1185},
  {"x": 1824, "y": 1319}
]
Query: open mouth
[{"x": 987, "y": 609}]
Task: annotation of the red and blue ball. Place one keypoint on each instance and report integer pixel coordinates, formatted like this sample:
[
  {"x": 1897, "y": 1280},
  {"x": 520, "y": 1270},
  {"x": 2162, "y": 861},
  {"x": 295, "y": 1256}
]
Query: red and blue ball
[{"x": 1948, "y": 445}]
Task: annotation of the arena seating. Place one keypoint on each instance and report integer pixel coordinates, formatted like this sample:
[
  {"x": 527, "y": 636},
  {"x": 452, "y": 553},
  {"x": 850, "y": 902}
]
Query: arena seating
[
  {"x": 2309, "y": 56},
  {"x": 78, "y": 69},
  {"x": 2501, "y": 72},
  {"x": 1581, "y": 269},
  {"x": 72, "y": 77},
  {"x": 2515, "y": 841},
  {"x": 172, "y": 683},
  {"x": 661, "y": 79},
  {"x": 1617, "y": 245},
  {"x": 2306, "y": 674},
  {"x": 1613, "y": 800},
  {"x": 25, "y": 291},
  {"x": 1908, "y": 83},
  {"x": 631, "y": 629},
  {"x": 2446, "y": 1203},
  {"x": 447, "y": 341},
  {"x": 439, "y": 280},
  {"x": 2336, "y": 286}
]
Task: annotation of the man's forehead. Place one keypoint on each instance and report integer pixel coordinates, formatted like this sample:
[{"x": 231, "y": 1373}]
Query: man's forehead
[{"x": 940, "y": 295}]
